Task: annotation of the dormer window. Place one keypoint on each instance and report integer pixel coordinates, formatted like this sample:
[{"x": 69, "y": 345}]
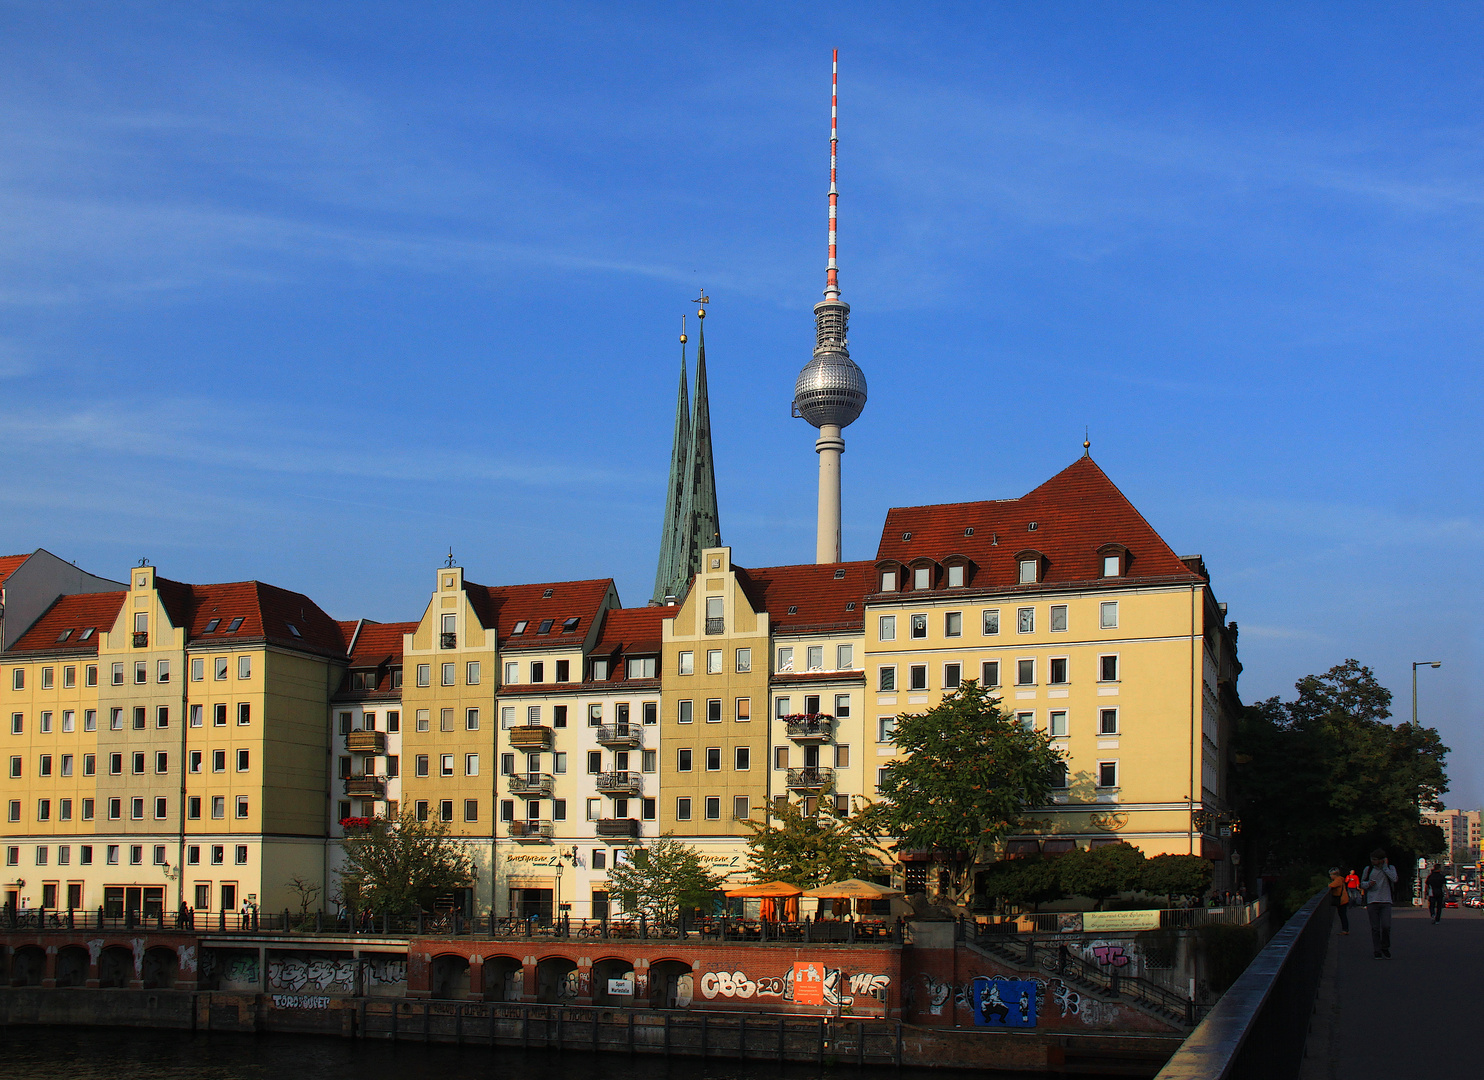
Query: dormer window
[
  {"x": 235, "y": 625},
  {"x": 888, "y": 581},
  {"x": 569, "y": 625},
  {"x": 1028, "y": 567},
  {"x": 520, "y": 628},
  {"x": 545, "y": 627},
  {"x": 922, "y": 577},
  {"x": 1113, "y": 558},
  {"x": 212, "y": 625},
  {"x": 1111, "y": 565},
  {"x": 599, "y": 670}
]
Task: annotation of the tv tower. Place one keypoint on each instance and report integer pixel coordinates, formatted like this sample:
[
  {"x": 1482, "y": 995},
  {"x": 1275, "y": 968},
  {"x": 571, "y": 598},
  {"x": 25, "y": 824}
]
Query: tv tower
[{"x": 831, "y": 391}]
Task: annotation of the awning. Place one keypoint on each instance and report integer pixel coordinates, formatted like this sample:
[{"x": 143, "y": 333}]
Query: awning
[
  {"x": 1058, "y": 846},
  {"x": 767, "y": 889},
  {"x": 852, "y": 889},
  {"x": 1021, "y": 846}
]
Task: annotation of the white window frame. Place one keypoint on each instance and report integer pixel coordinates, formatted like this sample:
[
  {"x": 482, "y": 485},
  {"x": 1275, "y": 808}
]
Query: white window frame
[
  {"x": 1108, "y": 615},
  {"x": 886, "y": 628}
]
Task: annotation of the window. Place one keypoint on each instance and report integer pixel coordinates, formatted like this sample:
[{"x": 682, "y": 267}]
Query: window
[
  {"x": 244, "y": 713},
  {"x": 780, "y": 757},
  {"x": 685, "y": 712},
  {"x": 15, "y": 810},
  {"x": 197, "y": 718},
  {"x": 744, "y": 660},
  {"x": 558, "y": 809},
  {"x": 162, "y": 761},
  {"x": 598, "y": 670},
  {"x": 651, "y": 712},
  {"x": 953, "y": 624},
  {"x": 842, "y": 706},
  {"x": 471, "y": 719},
  {"x": 89, "y": 764},
  {"x": 922, "y": 577},
  {"x": 1108, "y": 615},
  {"x": 1108, "y": 668},
  {"x": 136, "y": 808},
  {"x": 244, "y": 760},
  {"x": 713, "y": 661},
  {"x": 244, "y": 667},
  {"x": 1107, "y": 721},
  {"x": 1059, "y": 774},
  {"x": 471, "y": 809},
  {"x": 594, "y": 761},
  {"x": 648, "y": 809},
  {"x": 742, "y": 758},
  {"x": 886, "y": 628},
  {"x": 44, "y": 809},
  {"x": 917, "y": 677},
  {"x": 1058, "y": 618},
  {"x": 815, "y": 657},
  {"x": 241, "y": 848},
  {"x": 1028, "y": 569},
  {"x": 17, "y": 721},
  {"x": 842, "y": 755},
  {"x": 162, "y": 671},
  {"x": 420, "y": 765},
  {"x": 1111, "y": 565},
  {"x": 919, "y": 626},
  {"x": 1107, "y": 774},
  {"x": 1025, "y": 620},
  {"x": 507, "y": 809},
  {"x": 1058, "y": 673},
  {"x": 219, "y": 761},
  {"x": 193, "y": 808},
  {"x": 219, "y": 668},
  {"x": 242, "y": 806},
  {"x": 44, "y": 768},
  {"x": 956, "y": 576},
  {"x": 687, "y": 665},
  {"x": 1057, "y": 724},
  {"x": 445, "y": 674},
  {"x": 780, "y": 707},
  {"x": 989, "y": 673},
  {"x": 46, "y": 678},
  {"x": 713, "y": 759},
  {"x": 512, "y": 672},
  {"x": 713, "y": 710},
  {"x": 886, "y": 729},
  {"x": 198, "y": 669},
  {"x": 642, "y": 668},
  {"x": 69, "y": 675},
  {"x": 162, "y": 807},
  {"x": 18, "y": 677},
  {"x": 886, "y": 679},
  {"x": 219, "y": 716},
  {"x": 595, "y": 714},
  {"x": 713, "y": 808},
  {"x": 445, "y": 765},
  {"x": 682, "y": 759},
  {"x": 740, "y": 807},
  {"x": 682, "y": 809},
  {"x": 162, "y": 716},
  {"x": 46, "y": 723},
  {"x": 1027, "y": 720},
  {"x": 785, "y": 658},
  {"x": 1025, "y": 673},
  {"x": 138, "y": 762},
  {"x": 394, "y": 721},
  {"x": 952, "y": 676},
  {"x": 743, "y": 710},
  {"x": 650, "y": 760},
  {"x": 218, "y": 806},
  {"x": 888, "y": 581},
  {"x": 471, "y": 673},
  {"x": 90, "y": 673},
  {"x": 424, "y": 674},
  {"x": 115, "y": 764},
  {"x": 563, "y": 671}
]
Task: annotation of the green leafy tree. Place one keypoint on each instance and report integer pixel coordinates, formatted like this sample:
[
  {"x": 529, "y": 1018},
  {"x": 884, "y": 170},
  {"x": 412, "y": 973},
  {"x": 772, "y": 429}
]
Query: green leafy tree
[
  {"x": 664, "y": 878},
  {"x": 969, "y": 775},
  {"x": 1100, "y": 872},
  {"x": 1324, "y": 778},
  {"x": 1028, "y": 882},
  {"x": 1176, "y": 875},
  {"x": 400, "y": 866},
  {"x": 817, "y": 849}
]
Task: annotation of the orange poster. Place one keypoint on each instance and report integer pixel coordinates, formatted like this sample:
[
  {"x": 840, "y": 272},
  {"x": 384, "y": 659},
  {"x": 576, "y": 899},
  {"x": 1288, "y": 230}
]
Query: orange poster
[{"x": 809, "y": 983}]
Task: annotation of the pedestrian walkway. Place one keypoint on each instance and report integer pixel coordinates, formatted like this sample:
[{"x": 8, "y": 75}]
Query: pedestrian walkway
[{"x": 1413, "y": 1015}]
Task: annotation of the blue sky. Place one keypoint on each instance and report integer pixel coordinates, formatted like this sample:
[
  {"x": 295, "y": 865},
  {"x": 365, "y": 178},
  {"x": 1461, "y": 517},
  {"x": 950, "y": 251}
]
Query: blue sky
[{"x": 309, "y": 293}]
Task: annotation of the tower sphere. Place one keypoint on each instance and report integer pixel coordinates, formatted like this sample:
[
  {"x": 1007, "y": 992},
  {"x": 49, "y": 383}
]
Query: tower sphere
[{"x": 830, "y": 389}]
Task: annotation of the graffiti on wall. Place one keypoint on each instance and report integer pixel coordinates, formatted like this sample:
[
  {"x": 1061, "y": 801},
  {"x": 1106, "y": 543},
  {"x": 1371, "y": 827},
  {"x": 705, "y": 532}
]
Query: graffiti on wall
[
  {"x": 1110, "y": 955},
  {"x": 1004, "y": 1002},
  {"x": 838, "y": 989},
  {"x": 295, "y": 973}
]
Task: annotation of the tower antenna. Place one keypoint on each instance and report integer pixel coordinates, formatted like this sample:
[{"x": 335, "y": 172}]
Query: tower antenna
[{"x": 832, "y": 270}]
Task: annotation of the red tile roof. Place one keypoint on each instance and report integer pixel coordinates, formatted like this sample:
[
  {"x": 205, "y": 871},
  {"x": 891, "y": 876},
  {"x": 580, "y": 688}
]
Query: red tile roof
[
  {"x": 820, "y": 597},
  {"x": 268, "y": 613},
  {"x": 9, "y": 564},
  {"x": 77, "y": 612},
  {"x": 1075, "y": 513},
  {"x": 633, "y": 630},
  {"x": 502, "y": 606},
  {"x": 379, "y": 643}
]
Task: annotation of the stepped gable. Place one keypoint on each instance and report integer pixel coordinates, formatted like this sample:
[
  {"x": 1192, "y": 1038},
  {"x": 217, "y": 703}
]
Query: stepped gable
[
  {"x": 818, "y": 593},
  {"x": 504, "y": 607},
  {"x": 1077, "y": 514},
  {"x": 73, "y": 616}
]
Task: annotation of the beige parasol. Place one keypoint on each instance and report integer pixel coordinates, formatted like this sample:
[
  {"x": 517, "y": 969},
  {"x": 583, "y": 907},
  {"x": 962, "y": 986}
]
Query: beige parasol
[{"x": 852, "y": 889}]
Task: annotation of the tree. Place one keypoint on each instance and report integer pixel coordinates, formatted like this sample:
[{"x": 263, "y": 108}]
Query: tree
[
  {"x": 1323, "y": 779},
  {"x": 308, "y": 892},
  {"x": 969, "y": 775},
  {"x": 1031, "y": 881},
  {"x": 663, "y": 879},
  {"x": 1176, "y": 875},
  {"x": 400, "y": 866},
  {"x": 817, "y": 849},
  {"x": 1100, "y": 872}
]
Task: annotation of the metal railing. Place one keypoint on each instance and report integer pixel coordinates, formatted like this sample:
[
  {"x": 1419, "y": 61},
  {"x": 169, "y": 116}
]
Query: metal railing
[
  {"x": 530, "y": 783},
  {"x": 620, "y": 735},
  {"x": 1260, "y": 1025},
  {"x": 811, "y": 777},
  {"x": 621, "y": 783}
]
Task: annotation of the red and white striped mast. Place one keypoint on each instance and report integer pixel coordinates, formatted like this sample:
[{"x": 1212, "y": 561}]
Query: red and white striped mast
[{"x": 832, "y": 271}]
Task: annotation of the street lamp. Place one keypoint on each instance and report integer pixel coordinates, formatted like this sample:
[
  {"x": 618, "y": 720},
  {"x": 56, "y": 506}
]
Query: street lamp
[
  {"x": 556, "y": 917},
  {"x": 1415, "y": 665}
]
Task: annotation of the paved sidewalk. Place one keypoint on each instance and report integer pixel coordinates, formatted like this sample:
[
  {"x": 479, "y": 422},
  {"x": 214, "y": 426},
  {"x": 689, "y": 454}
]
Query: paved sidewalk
[{"x": 1413, "y": 1015}]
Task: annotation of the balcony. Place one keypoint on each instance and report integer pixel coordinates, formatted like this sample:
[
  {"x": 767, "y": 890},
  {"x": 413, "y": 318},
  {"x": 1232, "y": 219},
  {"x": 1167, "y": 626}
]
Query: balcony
[
  {"x": 532, "y": 784},
  {"x": 141, "y": 640},
  {"x": 716, "y": 626},
  {"x": 619, "y": 783},
  {"x": 623, "y": 828},
  {"x": 365, "y": 742},
  {"x": 448, "y": 641},
  {"x": 366, "y": 787},
  {"x": 531, "y": 737},
  {"x": 815, "y": 778},
  {"x": 619, "y": 735},
  {"x": 529, "y": 832},
  {"x": 811, "y": 728}
]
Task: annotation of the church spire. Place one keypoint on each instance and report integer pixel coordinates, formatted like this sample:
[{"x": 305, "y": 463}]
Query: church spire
[
  {"x": 700, "y": 517},
  {"x": 672, "y": 555}
]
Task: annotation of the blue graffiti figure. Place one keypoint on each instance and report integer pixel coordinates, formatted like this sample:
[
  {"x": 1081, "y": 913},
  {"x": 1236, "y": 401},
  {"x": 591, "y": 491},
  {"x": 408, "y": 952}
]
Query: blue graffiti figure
[{"x": 1003, "y": 1003}]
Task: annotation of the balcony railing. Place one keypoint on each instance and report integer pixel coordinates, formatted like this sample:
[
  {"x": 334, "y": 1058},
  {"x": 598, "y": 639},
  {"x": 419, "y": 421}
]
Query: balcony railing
[
  {"x": 141, "y": 640},
  {"x": 448, "y": 641},
  {"x": 623, "y": 827},
  {"x": 531, "y": 737},
  {"x": 537, "y": 832},
  {"x": 619, "y": 735},
  {"x": 366, "y": 787},
  {"x": 813, "y": 727},
  {"x": 365, "y": 742},
  {"x": 620, "y": 783},
  {"x": 531, "y": 784},
  {"x": 716, "y": 626},
  {"x": 811, "y": 778}
]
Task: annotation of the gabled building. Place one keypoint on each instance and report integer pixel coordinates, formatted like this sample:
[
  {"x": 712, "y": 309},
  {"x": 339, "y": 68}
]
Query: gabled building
[{"x": 29, "y": 584}]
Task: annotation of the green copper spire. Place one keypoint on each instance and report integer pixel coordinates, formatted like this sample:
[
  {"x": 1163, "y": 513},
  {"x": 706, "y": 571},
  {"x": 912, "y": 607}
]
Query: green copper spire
[
  {"x": 672, "y": 567},
  {"x": 692, "y": 522}
]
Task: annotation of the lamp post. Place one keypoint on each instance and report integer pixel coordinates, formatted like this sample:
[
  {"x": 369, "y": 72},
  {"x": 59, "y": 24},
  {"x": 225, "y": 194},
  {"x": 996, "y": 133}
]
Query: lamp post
[
  {"x": 556, "y": 916},
  {"x": 1415, "y": 665}
]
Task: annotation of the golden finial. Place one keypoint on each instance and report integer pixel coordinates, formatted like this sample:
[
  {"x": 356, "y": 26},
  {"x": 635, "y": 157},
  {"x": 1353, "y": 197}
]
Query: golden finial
[
  {"x": 683, "y": 338},
  {"x": 1086, "y": 442},
  {"x": 703, "y": 299}
]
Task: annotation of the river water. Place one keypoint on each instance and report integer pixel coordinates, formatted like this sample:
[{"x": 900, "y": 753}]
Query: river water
[{"x": 50, "y": 1053}]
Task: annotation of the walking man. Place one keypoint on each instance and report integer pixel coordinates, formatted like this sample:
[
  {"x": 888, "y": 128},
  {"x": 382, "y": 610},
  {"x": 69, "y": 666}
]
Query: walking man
[
  {"x": 1378, "y": 884},
  {"x": 1437, "y": 892}
]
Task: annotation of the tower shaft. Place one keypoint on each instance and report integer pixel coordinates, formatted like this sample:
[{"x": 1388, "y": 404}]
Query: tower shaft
[{"x": 829, "y": 446}]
